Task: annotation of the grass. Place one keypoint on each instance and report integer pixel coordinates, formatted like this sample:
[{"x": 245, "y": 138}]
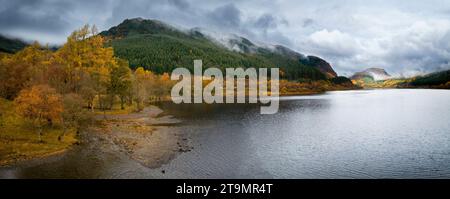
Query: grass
[{"x": 19, "y": 139}]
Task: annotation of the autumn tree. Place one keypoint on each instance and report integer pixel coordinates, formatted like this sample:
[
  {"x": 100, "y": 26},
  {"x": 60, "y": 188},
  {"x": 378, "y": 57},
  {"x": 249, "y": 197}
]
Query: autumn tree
[
  {"x": 41, "y": 104},
  {"x": 164, "y": 86},
  {"x": 83, "y": 53},
  {"x": 120, "y": 82},
  {"x": 18, "y": 70},
  {"x": 74, "y": 115},
  {"x": 142, "y": 80},
  {"x": 88, "y": 94}
]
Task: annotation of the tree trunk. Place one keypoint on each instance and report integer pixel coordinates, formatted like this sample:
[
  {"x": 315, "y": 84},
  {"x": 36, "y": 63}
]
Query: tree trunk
[
  {"x": 40, "y": 134},
  {"x": 122, "y": 102},
  {"x": 111, "y": 102},
  {"x": 64, "y": 131}
]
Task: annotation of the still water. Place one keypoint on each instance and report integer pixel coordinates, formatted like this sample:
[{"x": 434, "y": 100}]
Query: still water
[{"x": 343, "y": 134}]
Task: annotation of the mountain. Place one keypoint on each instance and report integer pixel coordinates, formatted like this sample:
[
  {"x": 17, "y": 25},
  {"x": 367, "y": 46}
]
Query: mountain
[
  {"x": 160, "y": 47},
  {"x": 373, "y": 78},
  {"x": 8, "y": 45},
  {"x": 378, "y": 78},
  {"x": 138, "y": 26},
  {"x": 433, "y": 80},
  {"x": 321, "y": 64},
  {"x": 373, "y": 74}
]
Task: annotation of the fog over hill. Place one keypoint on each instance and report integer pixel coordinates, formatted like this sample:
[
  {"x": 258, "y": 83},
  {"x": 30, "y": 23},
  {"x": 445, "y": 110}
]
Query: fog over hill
[
  {"x": 404, "y": 37},
  {"x": 372, "y": 73},
  {"x": 160, "y": 47}
]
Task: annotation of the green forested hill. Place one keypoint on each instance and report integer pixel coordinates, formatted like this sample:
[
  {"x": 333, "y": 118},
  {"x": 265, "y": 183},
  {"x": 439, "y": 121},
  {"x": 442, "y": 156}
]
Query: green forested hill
[
  {"x": 160, "y": 48},
  {"x": 433, "y": 79},
  {"x": 11, "y": 45}
]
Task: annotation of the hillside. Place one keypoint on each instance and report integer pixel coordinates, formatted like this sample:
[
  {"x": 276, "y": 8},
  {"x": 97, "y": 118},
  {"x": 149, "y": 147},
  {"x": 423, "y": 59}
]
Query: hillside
[
  {"x": 373, "y": 74},
  {"x": 8, "y": 45},
  {"x": 373, "y": 78},
  {"x": 159, "y": 47},
  {"x": 432, "y": 80},
  {"x": 320, "y": 64}
]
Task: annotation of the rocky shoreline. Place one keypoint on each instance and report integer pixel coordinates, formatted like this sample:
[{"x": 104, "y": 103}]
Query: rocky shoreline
[{"x": 146, "y": 137}]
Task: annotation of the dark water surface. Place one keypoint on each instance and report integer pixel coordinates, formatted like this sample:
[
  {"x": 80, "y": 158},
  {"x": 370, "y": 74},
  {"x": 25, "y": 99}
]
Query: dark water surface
[{"x": 343, "y": 134}]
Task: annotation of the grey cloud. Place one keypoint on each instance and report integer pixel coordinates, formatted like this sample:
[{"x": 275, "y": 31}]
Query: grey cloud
[
  {"x": 307, "y": 22},
  {"x": 266, "y": 21},
  {"x": 180, "y": 4},
  {"x": 420, "y": 48},
  {"x": 402, "y": 37},
  {"x": 29, "y": 15},
  {"x": 227, "y": 15},
  {"x": 430, "y": 52}
]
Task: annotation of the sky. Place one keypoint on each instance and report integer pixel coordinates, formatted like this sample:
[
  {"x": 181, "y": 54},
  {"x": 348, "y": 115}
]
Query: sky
[{"x": 404, "y": 37}]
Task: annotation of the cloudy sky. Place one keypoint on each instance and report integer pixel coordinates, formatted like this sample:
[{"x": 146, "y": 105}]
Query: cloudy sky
[{"x": 404, "y": 37}]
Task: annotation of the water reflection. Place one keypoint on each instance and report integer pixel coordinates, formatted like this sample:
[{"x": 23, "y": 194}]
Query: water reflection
[
  {"x": 351, "y": 134},
  {"x": 344, "y": 134}
]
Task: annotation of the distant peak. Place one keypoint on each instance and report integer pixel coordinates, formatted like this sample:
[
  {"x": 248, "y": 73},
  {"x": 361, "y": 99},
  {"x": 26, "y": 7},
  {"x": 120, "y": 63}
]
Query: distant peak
[
  {"x": 11, "y": 45},
  {"x": 376, "y": 69},
  {"x": 374, "y": 73},
  {"x": 320, "y": 64},
  {"x": 138, "y": 26},
  {"x": 139, "y": 19}
]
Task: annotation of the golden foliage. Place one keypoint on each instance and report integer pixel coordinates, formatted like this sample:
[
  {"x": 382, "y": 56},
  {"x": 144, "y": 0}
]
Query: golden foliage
[{"x": 40, "y": 103}]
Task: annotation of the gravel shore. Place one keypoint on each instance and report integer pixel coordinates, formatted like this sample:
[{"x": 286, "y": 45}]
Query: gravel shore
[{"x": 146, "y": 137}]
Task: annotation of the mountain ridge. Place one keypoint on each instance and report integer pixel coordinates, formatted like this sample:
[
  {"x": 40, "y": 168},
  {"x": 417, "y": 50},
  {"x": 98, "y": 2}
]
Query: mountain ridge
[
  {"x": 160, "y": 47},
  {"x": 9, "y": 45},
  {"x": 375, "y": 74},
  {"x": 366, "y": 79}
]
